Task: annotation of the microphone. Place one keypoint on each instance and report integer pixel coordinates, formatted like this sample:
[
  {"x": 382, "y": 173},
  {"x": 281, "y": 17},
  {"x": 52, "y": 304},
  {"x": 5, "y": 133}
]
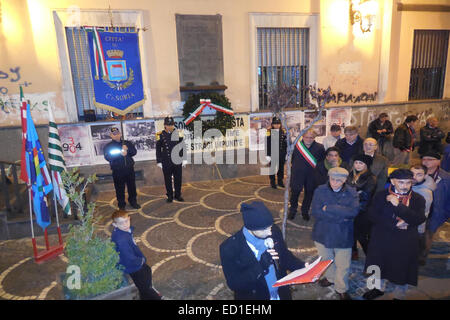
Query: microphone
[{"x": 268, "y": 242}]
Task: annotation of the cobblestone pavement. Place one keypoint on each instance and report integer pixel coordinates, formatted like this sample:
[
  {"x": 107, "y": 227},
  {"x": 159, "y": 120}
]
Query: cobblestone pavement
[{"x": 181, "y": 242}]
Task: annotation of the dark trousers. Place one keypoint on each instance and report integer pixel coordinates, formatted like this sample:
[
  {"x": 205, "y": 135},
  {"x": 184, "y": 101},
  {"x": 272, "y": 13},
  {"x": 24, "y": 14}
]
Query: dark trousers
[
  {"x": 361, "y": 231},
  {"x": 143, "y": 281},
  {"x": 280, "y": 173},
  {"x": 176, "y": 172},
  {"x": 122, "y": 177},
  {"x": 297, "y": 185}
]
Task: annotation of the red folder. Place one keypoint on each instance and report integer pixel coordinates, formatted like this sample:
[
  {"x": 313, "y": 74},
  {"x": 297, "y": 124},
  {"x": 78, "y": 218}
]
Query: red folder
[{"x": 308, "y": 274}]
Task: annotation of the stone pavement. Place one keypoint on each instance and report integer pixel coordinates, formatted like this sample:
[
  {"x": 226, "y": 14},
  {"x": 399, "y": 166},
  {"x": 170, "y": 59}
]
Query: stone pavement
[{"x": 181, "y": 242}]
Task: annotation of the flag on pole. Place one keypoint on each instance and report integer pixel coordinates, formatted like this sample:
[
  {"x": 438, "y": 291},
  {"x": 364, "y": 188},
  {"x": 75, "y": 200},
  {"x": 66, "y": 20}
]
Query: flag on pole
[
  {"x": 37, "y": 174},
  {"x": 56, "y": 162},
  {"x": 23, "y": 117}
]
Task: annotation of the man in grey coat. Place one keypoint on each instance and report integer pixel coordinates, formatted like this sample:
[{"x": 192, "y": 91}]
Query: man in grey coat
[{"x": 380, "y": 163}]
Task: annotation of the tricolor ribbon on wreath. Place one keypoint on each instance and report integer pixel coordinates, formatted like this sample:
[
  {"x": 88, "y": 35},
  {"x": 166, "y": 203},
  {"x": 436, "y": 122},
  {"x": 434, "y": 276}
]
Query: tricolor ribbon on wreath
[{"x": 203, "y": 104}]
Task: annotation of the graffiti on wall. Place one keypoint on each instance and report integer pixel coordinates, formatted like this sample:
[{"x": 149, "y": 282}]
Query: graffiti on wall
[
  {"x": 11, "y": 76},
  {"x": 350, "y": 98}
]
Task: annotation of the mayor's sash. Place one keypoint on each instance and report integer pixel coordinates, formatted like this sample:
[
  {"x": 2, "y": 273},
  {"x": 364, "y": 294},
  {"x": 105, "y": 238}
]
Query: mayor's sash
[
  {"x": 306, "y": 154},
  {"x": 116, "y": 70}
]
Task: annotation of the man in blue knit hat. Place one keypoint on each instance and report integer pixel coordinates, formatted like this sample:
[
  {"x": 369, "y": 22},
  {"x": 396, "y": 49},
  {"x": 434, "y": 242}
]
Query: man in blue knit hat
[{"x": 255, "y": 257}]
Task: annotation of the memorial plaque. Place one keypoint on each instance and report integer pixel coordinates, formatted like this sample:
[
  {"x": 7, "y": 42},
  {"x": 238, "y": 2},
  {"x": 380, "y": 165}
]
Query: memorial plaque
[{"x": 200, "y": 56}]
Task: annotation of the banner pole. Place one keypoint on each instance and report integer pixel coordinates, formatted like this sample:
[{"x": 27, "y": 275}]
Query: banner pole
[
  {"x": 33, "y": 240},
  {"x": 56, "y": 213}
]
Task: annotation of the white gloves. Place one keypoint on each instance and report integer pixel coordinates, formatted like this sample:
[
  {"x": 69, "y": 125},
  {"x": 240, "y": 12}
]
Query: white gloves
[
  {"x": 183, "y": 164},
  {"x": 268, "y": 158},
  {"x": 159, "y": 165}
]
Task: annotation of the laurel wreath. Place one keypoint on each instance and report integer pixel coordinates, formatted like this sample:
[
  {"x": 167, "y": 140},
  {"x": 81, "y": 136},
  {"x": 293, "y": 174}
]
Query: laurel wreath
[{"x": 121, "y": 86}]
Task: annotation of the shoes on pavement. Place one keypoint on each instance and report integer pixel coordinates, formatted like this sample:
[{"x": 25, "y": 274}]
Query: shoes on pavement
[
  {"x": 135, "y": 205},
  {"x": 281, "y": 184},
  {"x": 169, "y": 200},
  {"x": 324, "y": 283},
  {"x": 291, "y": 215},
  {"x": 372, "y": 294},
  {"x": 305, "y": 216},
  {"x": 180, "y": 198},
  {"x": 344, "y": 296}
]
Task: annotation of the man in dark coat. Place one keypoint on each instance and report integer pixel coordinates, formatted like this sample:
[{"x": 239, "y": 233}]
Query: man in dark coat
[
  {"x": 351, "y": 145},
  {"x": 281, "y": 150},
  {"x": 248, "y": 259},
  {"x": 395, "y": 215},
  {"x": 380, "y": 129},
  {"x": 431, "y": 137},
  {"x": 404, "y": 140},
  {"x": 334, "y": 207},
  {"x": 119, "y": 153},
  {"x": 332, "y": 160},
  {"x": 165, "y": 143},
  {"x": 432, "y": 160},
  {"x": 307, "y": 154}
]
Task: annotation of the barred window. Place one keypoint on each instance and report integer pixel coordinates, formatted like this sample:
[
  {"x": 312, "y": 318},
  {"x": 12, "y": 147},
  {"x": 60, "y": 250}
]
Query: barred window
[
  {"x": 283, "y": 57},
  {"x": 428, "y": 64},
  {"x": 80, "y": 64}
]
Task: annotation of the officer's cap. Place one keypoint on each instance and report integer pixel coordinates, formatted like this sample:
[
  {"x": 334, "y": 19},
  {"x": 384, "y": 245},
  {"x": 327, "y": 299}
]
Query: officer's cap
[
  {"x": 168, "y": 121},
  {"x": 114, "y": 130},
  {"x": 276, "y": 120}
]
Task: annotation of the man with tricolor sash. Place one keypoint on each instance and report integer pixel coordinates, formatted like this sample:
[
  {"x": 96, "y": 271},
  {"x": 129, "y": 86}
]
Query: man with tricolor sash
[{"x": 307, "y": 153}]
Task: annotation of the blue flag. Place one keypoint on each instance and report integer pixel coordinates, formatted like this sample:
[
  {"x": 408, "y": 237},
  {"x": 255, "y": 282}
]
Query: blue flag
[
  {"x": 38, "y": 174},
  {"x": 116, "y": 70}
]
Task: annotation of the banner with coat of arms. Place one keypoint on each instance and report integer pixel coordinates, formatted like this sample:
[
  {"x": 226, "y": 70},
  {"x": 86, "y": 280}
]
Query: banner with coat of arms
[{"x": 116, "y": 69}]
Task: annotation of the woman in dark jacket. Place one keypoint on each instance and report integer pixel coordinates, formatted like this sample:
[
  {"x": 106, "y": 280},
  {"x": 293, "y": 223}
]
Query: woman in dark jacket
[{"x": 365, "y": 184}]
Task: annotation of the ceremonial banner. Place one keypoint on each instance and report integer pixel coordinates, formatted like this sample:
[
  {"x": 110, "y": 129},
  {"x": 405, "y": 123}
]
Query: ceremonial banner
[{"x": 116, "y": 70}]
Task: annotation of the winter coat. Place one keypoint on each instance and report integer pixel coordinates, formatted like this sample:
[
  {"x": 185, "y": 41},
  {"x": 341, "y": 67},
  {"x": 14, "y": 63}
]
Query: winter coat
[
  {"x": 131, "y": 257},
  {"x": 430, "y": 140},
  {"x": 333, "y": 227},
  {"x": 365, "y": 187},
  {"x": 441, "y": 205},
  {"x": 301, "y": 169},
  {"x": 347, "y": 151},
  {"x": 322, "y": 172},
  {"x": 116, "y": 161},
  {"x": 376, "y": 125},
  {"x": 403, "y": 139},
  {"x": 395, "y": 251},
  {"x": 245, "y": 275}
]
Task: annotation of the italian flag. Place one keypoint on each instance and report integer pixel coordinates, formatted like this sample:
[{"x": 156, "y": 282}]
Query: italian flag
[{"x": 306, "y": 154}]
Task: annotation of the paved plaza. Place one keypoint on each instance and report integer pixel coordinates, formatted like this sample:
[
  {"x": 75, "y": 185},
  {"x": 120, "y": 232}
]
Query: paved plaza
[{"x": 181, "y": 242}]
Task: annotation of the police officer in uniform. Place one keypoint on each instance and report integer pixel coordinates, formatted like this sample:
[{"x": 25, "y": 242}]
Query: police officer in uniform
[
  {"x": 119, "y": 153},
  {"x": 282, "y": 148},
  {"x": 164, "y": 146}
]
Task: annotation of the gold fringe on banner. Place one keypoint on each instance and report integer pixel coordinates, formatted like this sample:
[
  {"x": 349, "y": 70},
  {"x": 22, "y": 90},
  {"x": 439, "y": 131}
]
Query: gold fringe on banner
[{"x": 118, "y": 111}]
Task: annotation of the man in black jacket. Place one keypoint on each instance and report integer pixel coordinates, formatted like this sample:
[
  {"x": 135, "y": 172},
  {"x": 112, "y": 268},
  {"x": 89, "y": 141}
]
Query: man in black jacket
[
  {"x": 281, "y": 150},
  {"x": 119, "y": 153},
  {"x": 351, "y": 145},
  {"x": 170, "y": 166},
  {"x": 404, "y": 143},
  {"x": 380, "y": 129},
  {"x": 431, "y": 137},
  {"x": 248, "y": 257},
  {"x": 307, "y": 154}
]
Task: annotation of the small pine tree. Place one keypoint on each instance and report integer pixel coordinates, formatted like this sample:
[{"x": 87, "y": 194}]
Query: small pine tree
[{"x": 95, "y": 256}]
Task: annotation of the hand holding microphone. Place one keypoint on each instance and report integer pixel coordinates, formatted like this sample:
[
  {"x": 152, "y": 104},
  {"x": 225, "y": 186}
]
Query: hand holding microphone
[{"x": 270, "y": 249}]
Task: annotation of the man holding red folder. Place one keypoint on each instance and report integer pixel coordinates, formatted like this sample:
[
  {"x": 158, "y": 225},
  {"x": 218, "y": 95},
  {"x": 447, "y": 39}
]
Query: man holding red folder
[{"x": 256, "y": 256}]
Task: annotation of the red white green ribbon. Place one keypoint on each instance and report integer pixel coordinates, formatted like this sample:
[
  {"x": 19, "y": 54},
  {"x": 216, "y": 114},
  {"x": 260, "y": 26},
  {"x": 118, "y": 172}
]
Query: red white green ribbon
[
  {"x": 203, "y": 104},
  {"x": 99, "y": 54},
  {"x": 306, "y": 154}
]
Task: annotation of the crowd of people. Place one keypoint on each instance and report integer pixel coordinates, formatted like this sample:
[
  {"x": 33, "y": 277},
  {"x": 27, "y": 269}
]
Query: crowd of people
[
  {"x": 354, "y": 200},
  {"x": 346, "y": 189}
]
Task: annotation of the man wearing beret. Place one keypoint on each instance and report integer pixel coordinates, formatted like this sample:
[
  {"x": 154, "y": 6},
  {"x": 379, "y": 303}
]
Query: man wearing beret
[
  {"x": 255, "y": 257},
  {"x": 119, "y": 153},
  {"x": 171, "y": 167},
  {"x": 395, "y": 215},
  {"x": 432, "y": 160},
  {"x": 281, "y": 150},
  {"x": 334, "y": 206}
]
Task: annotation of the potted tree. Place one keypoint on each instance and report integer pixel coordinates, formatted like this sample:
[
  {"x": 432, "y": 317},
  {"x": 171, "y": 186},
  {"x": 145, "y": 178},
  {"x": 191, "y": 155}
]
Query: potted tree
[{"x": 92, "y": 258}]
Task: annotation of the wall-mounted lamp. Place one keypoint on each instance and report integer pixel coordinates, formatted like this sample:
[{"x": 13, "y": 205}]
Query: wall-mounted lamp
[{"x": 364, "y": 12}]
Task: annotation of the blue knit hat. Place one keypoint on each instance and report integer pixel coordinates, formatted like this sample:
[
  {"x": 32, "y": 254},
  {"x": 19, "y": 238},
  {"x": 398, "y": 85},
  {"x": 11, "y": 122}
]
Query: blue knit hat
[{"x": 256, "y": 216}]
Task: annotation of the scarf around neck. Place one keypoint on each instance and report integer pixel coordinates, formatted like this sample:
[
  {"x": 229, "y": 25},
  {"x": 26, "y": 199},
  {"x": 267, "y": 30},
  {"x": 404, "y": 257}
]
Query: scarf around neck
[
  {"x": 404, "y": 198},
  {"x": 270, "y": 277}
]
